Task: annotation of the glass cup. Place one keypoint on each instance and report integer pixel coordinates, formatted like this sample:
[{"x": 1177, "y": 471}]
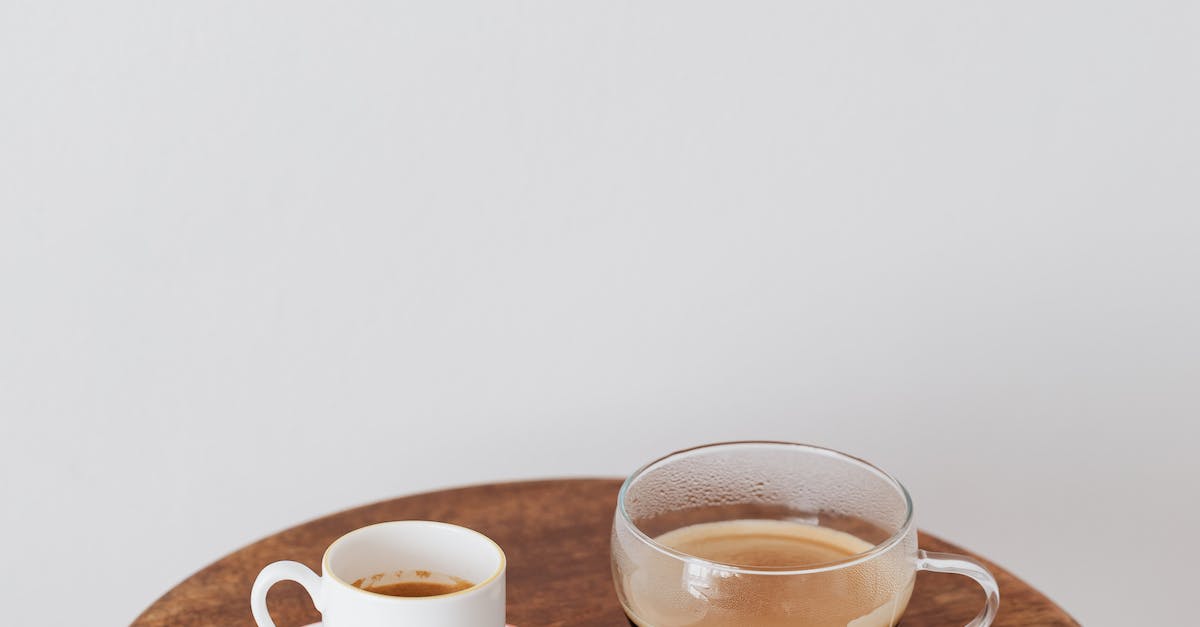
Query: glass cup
[{"x": 855, "y": 519}]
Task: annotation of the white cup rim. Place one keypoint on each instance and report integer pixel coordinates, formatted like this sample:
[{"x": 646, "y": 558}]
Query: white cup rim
[{"x": 333, "y": 576}]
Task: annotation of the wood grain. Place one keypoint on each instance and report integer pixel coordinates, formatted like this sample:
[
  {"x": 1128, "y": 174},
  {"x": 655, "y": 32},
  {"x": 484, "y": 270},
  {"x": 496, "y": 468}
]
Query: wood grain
[{"x": 555, "y": 534}]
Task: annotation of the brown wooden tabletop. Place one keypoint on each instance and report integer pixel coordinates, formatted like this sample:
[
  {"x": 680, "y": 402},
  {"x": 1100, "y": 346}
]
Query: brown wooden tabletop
[{"x": 555, "y": 534}]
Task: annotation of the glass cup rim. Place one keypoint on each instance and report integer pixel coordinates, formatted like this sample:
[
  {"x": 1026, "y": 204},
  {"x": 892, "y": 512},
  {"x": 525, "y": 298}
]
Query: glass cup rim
[{"x": 878, "y": 549}]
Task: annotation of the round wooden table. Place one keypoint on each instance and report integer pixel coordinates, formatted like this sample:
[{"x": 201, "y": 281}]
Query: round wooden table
[{"x": 555, "y": 534}]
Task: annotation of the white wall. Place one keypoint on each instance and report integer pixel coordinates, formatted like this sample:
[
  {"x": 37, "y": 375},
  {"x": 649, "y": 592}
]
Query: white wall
[{"x": 263, "y": 261}]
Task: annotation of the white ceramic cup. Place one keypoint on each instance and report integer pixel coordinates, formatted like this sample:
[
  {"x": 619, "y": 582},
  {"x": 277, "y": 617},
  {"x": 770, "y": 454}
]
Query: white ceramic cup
[{"x": 387, "y": 548}]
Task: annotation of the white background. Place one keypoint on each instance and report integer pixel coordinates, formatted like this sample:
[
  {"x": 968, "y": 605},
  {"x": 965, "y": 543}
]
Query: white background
[{"x": 261, "y": 261}]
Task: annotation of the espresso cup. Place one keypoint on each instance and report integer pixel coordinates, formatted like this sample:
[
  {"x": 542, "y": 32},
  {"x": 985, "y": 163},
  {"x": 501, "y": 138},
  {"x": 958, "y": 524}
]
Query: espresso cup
[
  {"x": 387, "y": 551},
  {"x": 771, "y": 534}
]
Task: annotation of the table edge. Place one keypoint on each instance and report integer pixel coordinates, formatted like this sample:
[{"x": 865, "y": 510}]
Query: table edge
[{"x": 617, "y": 481}]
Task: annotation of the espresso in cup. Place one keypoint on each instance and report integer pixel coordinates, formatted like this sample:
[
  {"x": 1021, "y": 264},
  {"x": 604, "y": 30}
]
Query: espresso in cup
[
  {"x": 414, "y": 583},
  {"x": 408, "y": 572}
]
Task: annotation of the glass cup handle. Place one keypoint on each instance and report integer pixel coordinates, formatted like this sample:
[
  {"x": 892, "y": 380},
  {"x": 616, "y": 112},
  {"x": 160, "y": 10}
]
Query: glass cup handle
[
  {"x": 962, "y": 565},
  {"x": 275, "y": 573}
]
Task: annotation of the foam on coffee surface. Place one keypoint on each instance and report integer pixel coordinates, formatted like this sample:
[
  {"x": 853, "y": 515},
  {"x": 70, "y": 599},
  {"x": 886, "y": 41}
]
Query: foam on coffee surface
[
  {"x": 415, "y": 583},
  {"x": 765, "y": 543}
]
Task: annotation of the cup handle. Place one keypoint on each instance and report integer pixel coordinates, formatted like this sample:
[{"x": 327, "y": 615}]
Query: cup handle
[
  {"x": 962, "y": 565},
  {"x": 275, "y": 573}
]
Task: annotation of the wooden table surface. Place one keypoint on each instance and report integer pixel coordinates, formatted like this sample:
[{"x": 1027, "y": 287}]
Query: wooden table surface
[{"x": 555, "y": 534}]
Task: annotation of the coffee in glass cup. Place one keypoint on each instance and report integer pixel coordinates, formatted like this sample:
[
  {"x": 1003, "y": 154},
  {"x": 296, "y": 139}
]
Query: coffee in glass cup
[{"x": 770, "y": 534}]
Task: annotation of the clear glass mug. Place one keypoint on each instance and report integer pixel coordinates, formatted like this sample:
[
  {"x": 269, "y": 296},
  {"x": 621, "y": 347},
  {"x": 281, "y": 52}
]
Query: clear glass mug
[{"x": 779, "y": 483}]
